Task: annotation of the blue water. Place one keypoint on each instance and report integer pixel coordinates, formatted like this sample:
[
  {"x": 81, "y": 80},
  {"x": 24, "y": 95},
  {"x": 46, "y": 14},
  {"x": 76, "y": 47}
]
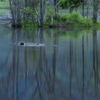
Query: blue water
[{"x": 66, "y": 68}]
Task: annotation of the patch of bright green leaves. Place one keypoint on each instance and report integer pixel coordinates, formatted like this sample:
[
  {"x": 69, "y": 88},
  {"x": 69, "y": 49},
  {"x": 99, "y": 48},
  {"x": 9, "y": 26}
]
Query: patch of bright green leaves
[
  {"x": 29, "y": 17},
  {"x": 75, "y": 19},
  {"x": 65, "y": 17}
]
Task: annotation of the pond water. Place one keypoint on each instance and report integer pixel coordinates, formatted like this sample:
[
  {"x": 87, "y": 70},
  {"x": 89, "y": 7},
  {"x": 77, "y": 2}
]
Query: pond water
[
  {"x": 66, "y": 68},
  {"x": 5, "y": 13}
]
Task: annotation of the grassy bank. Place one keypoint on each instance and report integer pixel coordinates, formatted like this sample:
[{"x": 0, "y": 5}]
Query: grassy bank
[{"x": 4, "y": 5}]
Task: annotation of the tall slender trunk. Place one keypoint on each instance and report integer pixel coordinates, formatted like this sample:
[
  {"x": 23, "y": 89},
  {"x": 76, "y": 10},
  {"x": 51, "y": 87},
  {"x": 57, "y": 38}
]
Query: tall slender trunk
[
  {"x": 25, "y": 3},
  {"x": 94, "y": 11},
  {"x": 55, "y": 2},
  {"x": 37, "y": 15},
  {"x": 87, "y": 11},
  {"x": 12, "y": 13},
  {"x": 71, "y": 10},
  {"x": 18, "y": 14},
  {"x": 15, "y": 11},
  {"x": 42, "y": 12},
  {"x": 52, "y": 14},
  {"x": 83, "y": 9}
]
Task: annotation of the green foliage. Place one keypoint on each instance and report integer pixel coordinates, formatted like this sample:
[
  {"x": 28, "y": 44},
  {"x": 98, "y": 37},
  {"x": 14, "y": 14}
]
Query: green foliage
[
  {"x": 48, "y": 15},
  {"x": 64, "y": 17},
  {"x": 28, "y": 15},
  {"x": 76, "y": 17},
  {"x": 55, "y": 22},
  {"x": 74, "y": 20},
  {"x": 57, "y": 17},
  {"x": 88, "y": 22},
  {"x": 29, "y": 25},
  {"x": 98, "y": 22},
  {"x": 97, "y": 25},
  {"x": 48, "y": 18},
  {"x": 70, "y": 3},
  {"x": 49, "y": 9}
]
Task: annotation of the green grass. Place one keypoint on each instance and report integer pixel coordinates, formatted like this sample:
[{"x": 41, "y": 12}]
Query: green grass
[
  {"x": 4, "y": 5},
  {"x": 4, "y": 12}
]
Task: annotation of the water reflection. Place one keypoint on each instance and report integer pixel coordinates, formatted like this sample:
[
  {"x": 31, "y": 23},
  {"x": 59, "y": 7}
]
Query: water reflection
[
  {"x": 67, "y": 68},
  {"x": 95, "y": 62}
]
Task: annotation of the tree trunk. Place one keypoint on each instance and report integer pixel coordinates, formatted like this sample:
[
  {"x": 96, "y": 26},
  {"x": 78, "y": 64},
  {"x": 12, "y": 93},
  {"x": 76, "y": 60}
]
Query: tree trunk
[
  {"x": 18, "y": 17},
  {"x": 94, "y": 11},
  {"x": 12, "y": 13},
  {"x": 55, "y": 2},
  {"x": 25, "y": 3},
  {"x": 37, "y": 15},
  {"x": 71, "y": 10},
  {"x": 83, "y": 9},
  {"x": 87, "y": 11},
  {"x": 15, "y": 11},
  {"x": 52, "y": 14},
  {"x": 42, "y": 12}
]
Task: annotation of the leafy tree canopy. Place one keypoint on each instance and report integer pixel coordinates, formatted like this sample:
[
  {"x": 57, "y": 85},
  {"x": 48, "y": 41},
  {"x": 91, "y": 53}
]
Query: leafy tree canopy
[{"x": 70, "y": 3}]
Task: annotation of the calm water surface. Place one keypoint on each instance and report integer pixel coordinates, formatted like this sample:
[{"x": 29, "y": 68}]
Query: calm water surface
[{"x": 67, "y": 68}]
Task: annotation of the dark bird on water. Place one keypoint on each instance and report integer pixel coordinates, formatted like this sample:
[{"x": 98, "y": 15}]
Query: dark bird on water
[
  {"x": 21, "y": 43},
  {"x": 37, "y": 43}
]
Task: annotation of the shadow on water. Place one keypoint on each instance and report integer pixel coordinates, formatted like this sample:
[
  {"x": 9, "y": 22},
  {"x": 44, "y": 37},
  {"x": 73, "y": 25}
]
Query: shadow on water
[{"x": 67, "y": 68}]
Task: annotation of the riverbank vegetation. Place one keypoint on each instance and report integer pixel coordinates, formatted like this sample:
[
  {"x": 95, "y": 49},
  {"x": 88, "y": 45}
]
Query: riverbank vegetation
[
  {"x": 74, "y": 20},
  {"x": 26, "y": 13}
]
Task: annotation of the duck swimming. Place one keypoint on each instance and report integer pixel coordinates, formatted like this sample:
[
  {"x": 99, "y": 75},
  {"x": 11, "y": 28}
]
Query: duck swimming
[
  {"x": 21, "y": 43},
  {"x": 37, "y": 43}
]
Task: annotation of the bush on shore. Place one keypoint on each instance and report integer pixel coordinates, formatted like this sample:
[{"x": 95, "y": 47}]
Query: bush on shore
[{"x": 73, "y": 19}]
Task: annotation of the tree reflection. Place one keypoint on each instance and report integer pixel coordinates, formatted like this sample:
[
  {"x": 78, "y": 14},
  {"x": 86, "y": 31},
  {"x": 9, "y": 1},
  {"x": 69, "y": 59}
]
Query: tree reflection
[
  {"x": 83, "y": 67},
  {"x": 15, "y": 64},
  {"x": 95, "y": 62},
  {"x": 26, "y": 69},
  {"x": 71, "y": 64},
  {"x": 54, "y": 63},
  {"x": 36, "y": 73}
]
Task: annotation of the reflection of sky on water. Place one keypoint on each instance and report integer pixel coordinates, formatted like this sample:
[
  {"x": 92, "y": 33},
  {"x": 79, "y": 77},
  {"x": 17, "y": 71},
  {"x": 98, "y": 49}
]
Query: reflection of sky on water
[{"x": 67, "y": 68}]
